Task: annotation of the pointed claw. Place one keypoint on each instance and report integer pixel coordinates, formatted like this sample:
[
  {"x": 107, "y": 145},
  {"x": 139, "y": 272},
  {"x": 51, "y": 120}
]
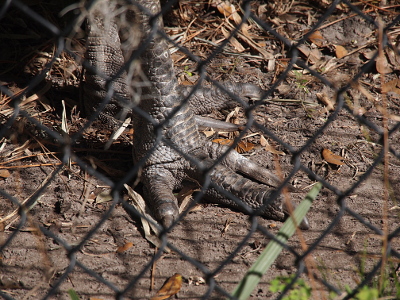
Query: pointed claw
[
  {"x": 166, "y": 213},
  {"x": 206, "y": 123},
  {"x": 304, "y": 224}
]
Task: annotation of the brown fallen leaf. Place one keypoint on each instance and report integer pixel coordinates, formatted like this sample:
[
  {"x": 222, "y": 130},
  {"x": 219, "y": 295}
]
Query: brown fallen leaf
[
  {"x": 125, "y": 247},
  {"x": 268, "y": 147},
  {"x": 244, "y": 146},
  {"x": 170, "y": 288},
  {"x": 4, "y": 173},
  {"x": 272, "y": 149},
  {"x": 325, "y": 100},
  {"x": 233, "y": 41},
  {"x": 229, "y": 11},
  {"x": 317, "y": 38},
  {"x": 225, "y": 8},
  {"x": 241, "y": 147},
  {"x": 368, "y": 54},
  {"x": 391, "y": 86},
  {"x": 340, "y": 51},
  {"x": 332, "y": 158},
  {"x": 382, "y": 65},
  {"x": 393, "y": 58},
  {"x": 312, "y": 55}
]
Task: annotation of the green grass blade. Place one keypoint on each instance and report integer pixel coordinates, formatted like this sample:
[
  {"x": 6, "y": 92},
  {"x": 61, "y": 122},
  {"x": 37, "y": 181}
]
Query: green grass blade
[
  {"x": 73, "y": 295},
  {"x": 271, "y": 252}
]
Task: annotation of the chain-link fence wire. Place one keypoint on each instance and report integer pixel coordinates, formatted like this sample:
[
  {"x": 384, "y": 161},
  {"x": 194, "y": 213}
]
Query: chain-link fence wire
[{"x": 297, "y": 59}]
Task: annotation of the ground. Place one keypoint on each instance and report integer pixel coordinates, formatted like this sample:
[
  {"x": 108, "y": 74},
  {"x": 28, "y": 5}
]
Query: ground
[{"x": 70, "y": 206}]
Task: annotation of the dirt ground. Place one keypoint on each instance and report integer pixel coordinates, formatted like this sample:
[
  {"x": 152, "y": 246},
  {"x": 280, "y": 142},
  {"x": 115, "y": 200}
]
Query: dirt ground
[{"x": 32, "y": 263}]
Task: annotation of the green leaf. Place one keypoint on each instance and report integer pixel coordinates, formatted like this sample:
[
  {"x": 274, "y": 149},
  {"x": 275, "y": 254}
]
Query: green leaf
[
  {"x": 271, "y": 252},
  {"x": 73, "y": 295},
  {"x": 367, "y": 293}
]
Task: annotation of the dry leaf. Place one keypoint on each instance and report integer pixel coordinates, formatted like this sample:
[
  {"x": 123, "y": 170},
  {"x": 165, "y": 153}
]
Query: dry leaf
[
  {"x": 340, "y": 51},
  {"x": 244, "y": 146},
  {"x": 245, "y": 36},
  {"x": 124, "y": 247},
  {"x": 394, "y": 59},
  {"x": 139, "y": 203},
  {"x": 312, "y": 55},
  {"x": 170, "y": 288},
  {"x": 223, "y": 141},
  {"x": 368, "y": 54},
  {"x": 325, "y": 100},
  {"x": 268, "y": 147},
  {"x": 316, "y": 38},
  {"x": 391, "y": 86},
  {"x": 4, "y": 173},
  {"x": 184, "y": 196},
  {"x": 245, "y": 30},
  {"x": 263, "y": 141},
  {"x": 104, "y": 196},
  {"x": 382, "y": 65},
  {"x": 332, "y": 158},
  {"x": 229, "y": 11},
  {"x": 241, "y": 147},
  {"x": 225, "y": 8},
  {"x": 209, "y": 133},
  {"x": 272, "y": 149},
  {"x": 233, "y": 41}
]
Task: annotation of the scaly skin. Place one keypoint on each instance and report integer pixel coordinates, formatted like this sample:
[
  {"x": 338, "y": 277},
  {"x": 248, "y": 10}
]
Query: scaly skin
[{"x": 161, "y": 97}]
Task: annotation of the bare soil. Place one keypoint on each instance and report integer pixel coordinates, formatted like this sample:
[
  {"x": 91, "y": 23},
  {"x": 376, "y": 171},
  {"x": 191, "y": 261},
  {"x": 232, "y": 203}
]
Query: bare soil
[{"x": 32, "y": 263}]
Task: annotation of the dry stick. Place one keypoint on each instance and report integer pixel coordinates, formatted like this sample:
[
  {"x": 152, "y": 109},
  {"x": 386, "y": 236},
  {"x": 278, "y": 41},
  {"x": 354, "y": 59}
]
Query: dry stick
[
  {"x": 45, "y": 150},
  {"x": 153, "y": 270},
  {"x": 381, "y": 8},
  {"x": 34, "y": 165},
  {"x": 386, "y": 186},
  {"x": 85, "y": 194},
  {"x": 24, "y": 157}
]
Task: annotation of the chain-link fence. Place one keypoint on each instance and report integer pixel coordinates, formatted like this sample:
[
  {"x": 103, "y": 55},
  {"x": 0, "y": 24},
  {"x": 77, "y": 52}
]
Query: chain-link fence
[{"x": 328, "y": 112}]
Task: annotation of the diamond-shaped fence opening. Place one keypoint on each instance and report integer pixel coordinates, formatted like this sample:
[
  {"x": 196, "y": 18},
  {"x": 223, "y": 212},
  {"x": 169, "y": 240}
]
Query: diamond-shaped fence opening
[{"x": 306, "y": 92}]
